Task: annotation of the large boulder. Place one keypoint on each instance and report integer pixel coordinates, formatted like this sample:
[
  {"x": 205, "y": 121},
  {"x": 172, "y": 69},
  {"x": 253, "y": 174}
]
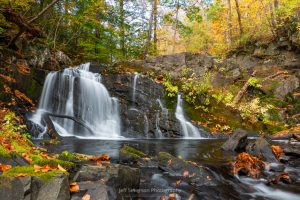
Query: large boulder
[
  {"x": 261, "y": 149},
  {"x": 237, "y": 142},
  {"x": 55, "y": 189}
]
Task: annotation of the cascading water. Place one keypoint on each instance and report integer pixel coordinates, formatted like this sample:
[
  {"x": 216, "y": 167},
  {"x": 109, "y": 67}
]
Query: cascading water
[
  {"x": 78, "y": 94},
  {"x": 134, "y": 86},
  {"x": 188, "y": 129},
  {"x": 164, "y": 113}
]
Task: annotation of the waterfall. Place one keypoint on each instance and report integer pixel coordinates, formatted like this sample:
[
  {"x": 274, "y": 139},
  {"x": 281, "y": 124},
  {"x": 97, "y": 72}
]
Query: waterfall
[
  {"x": 79, "y": 94},
  {"x": 188, "y": 129},
  {"x": 134, "y": 86},
  {"x": 164, "y": 113}
]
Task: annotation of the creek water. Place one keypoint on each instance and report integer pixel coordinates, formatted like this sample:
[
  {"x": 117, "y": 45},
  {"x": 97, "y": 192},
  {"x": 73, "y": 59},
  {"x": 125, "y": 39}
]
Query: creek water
[{"x": 206, "y": 153}]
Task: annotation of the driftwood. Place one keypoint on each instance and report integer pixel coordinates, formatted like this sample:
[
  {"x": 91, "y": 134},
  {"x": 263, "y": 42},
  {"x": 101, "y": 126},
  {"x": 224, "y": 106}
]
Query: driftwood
[
  {"x": 244, "y": 89},
  {"x": 51, "y": 129},
  {"x": 241, "y": 93}
]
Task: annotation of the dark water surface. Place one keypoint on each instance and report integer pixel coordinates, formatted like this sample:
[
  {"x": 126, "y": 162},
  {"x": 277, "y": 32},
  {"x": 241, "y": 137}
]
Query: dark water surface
[{"x": 202, "y": 151}]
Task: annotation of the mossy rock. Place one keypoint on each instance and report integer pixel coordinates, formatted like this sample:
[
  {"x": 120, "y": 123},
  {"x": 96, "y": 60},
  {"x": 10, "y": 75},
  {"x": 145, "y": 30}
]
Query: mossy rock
[
  {"x": 65, "y": 164},
  {"x": 133, "y": 152},
  {"x": 29, "y": 171}
]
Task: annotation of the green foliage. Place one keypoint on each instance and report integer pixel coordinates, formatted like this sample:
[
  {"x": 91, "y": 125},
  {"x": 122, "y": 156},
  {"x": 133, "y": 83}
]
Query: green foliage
[
  {"x": 170, "y": 88},
  {"x": 254, "y": 82},
  {"x": 67, "y": 156}
]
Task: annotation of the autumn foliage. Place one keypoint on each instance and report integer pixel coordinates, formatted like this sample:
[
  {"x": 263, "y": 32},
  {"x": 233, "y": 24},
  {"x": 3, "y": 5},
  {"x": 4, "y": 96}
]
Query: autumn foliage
[{"x": 250, "y": 165}]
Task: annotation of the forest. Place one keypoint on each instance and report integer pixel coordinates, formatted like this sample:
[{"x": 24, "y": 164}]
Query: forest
[{"x": 149, "y": 99}]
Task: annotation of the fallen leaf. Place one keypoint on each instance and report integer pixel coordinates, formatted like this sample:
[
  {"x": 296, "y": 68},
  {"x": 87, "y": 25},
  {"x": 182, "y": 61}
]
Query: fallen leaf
[
  {"x": 46, "y": 168},
  {"x": 26, "y": 157},
  {"x": 172, "y": 196},
  {"x": 277, "y": 150},
  {"x": 86, "y": 197},
  {"x": 169, "y": 162},
  {"x": 186, "y": 173},
  {"x": 251, "y": 165},
  {"x": 102, "y": 157},
  {"x": 4, "y": 167},
  {"x": 74, "y": 187},
  {"x": 36, "y": 168},
  {"x": 21, "y": 175},
  {"x": 61, "y": 168},
  {"x": 178, "y": 182}
]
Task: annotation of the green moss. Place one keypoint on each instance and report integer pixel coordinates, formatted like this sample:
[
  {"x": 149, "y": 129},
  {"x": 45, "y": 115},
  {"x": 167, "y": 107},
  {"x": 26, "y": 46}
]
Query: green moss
[
  {"x": 67, "y": 156},
  {"x": 4, "y": 152},
  {"x": 29, "y": 171},
  {"x": 20, "y": 148},
  {"x": 132, "y": 151},
  {"x": 65, "y": 164}
]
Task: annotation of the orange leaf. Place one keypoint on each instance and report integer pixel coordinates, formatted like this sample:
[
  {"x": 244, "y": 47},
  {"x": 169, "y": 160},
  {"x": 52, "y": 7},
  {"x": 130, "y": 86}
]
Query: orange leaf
[
  {"x": 46, "y": 156},
  {"x": 46, "y": 168},
  {"x": 186, "y": 173},
  {"x": 277, "y": 151},
  {"x": 4, "y": 167},
  {"x": 26, "y": 157},
  {"x": 86, "y": 197},
  {"x": 37, "y": 168},
  {"x": 74, "y": 187},
  {"x": 21, "y": 175},
  {"x": 102, "y": 157},
  {"x": 61, "y": 168},
  {"x": 178, "y": 182}
]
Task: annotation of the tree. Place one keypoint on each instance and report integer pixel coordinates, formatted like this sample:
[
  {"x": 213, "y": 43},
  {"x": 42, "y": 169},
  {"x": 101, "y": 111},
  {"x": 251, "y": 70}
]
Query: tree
[
  {"x": 229, "y": 22},
  {"x": 239, "y": 17},
  {"x": 147, "y": 46},
  {"x": 122, "y": 28},
  {"x": 155, "y": 18}
]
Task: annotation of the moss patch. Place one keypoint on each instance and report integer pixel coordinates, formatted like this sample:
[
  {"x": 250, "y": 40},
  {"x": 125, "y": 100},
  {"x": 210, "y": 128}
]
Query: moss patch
[
  {"x": 132, "y": 151},
  {"x": 4, "y": 152},
  {"x": 65, "y": 164},
  {"x": 29, "y": 171}
]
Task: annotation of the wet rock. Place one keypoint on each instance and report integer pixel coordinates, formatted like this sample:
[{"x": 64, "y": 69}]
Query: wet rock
[
  {"x": 130, "y": 155},
  {"x": 97, "y": 190},
  {"x": 237, "y": 142},
  {"x": 261, "y": 149},
  {"x": 56, "y": 189},
  {"x": 286, "y": 85},
  {"x": 292, "y": 150},
  {"x": 90, "y": 173},
  {"x": 275, "y": 167}
]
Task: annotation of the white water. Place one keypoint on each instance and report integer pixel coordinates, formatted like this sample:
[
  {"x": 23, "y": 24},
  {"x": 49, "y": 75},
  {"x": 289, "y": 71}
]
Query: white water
[
  {"x": 134, "y": 87},
  {"x": 262, "y": 190},
  {"x": 188, "y": 129},
  {"x": 78, "y": 93}
]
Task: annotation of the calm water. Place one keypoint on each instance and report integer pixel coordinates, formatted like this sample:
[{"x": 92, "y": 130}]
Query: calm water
[{"x": 202, "y": 151}]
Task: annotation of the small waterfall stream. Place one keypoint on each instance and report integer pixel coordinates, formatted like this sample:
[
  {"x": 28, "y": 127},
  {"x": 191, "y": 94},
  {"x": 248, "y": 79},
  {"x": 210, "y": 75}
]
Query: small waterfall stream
[
  {"x": 134, "y": 86},
  {"x": 79, "y": 94},
  {"x": 188, "y": 129}
]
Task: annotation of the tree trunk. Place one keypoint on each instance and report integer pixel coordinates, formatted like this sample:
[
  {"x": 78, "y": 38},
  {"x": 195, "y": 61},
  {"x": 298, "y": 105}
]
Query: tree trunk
[
  {"x": 155, "y": 25},
  {"x": 147, "y": 46},
  {"x": 276, "y": 4},
  {"x": 176, "y": 24},
  {"x": 229, "y": 23},
  {"x": 122, "y": 29},
  {"x": 239, "y": 17}
]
